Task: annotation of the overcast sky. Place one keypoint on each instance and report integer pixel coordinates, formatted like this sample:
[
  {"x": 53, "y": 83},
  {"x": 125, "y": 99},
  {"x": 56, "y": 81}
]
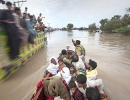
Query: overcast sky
[{"x": 79, "y": 12}]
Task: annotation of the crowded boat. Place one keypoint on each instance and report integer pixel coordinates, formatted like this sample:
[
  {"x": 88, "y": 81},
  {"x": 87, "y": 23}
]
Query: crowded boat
[{"x": 70, "y": 76}]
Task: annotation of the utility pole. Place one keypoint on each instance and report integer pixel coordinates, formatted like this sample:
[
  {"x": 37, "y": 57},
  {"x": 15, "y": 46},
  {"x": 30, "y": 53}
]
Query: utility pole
[{"x": 19, "y": 1}]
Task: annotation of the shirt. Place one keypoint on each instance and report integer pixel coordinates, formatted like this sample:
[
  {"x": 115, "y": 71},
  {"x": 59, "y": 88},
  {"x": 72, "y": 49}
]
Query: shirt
[
  {"x": 65, "y": 74},
  {"x": 52, "y": 69}
]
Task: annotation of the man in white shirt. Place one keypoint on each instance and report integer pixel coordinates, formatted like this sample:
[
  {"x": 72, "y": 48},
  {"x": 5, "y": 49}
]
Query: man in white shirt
[
  {"x": 64, "y": 72},
  {"x": 52, "y": 68}
]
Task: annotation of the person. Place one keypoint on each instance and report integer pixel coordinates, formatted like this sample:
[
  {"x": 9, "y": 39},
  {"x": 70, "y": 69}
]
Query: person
[
  {"x": 75, "y": 92},
  {"x": 92, "y": 80},
  {"x": 79, "y": 65},
  {"x": 29, "y": 27},
  {"x": 64, "y": 71},
  {"x": 39, "y": 19},
  {"x": 93, "y": 94},
  {"x": 51, "y": 88},
  {"x": 15, "y": 36},
  {"x": 23, "y": 32},
  {"x": 79, "y": 49},
  {"x": 52, "y": 68},
  {"x": 66, "y": 59},
  {"x": 91, "y": 72}
]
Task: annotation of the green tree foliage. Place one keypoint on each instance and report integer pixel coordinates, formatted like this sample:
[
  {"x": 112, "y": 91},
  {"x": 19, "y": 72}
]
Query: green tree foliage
[
  {"x": 115, "y": 23},
  {"x": 70, "y": 26},
  {"x": 92, "y": 27}
]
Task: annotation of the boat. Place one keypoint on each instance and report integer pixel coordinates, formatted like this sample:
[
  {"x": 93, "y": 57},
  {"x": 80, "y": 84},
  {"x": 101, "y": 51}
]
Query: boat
[{"x": 8, "y": 66}]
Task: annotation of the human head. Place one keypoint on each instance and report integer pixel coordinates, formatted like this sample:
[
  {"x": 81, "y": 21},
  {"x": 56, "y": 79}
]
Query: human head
[
  {"x": 64, "y": 52},
  {"x": 60, "y": 62},
  {"x": 40, "y": 14},
  {"x": 72, "y": 86},
  {"x": 81, "y": 80},
  {"x": 77, "y": 42},
  {"x": 92, "y": 94},
  {"x": 17, "y": 10},
  {"x": 26, "y": 8},
  {"x": 92, "y": 64},
  {"x": 9, "y": 5},
  {"x": 2, "y": 1},
  {"x": 53, "y": 60}
]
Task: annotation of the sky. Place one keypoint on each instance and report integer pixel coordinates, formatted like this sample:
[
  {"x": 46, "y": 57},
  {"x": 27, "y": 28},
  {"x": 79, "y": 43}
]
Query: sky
[{"x": 58, "y": 13}]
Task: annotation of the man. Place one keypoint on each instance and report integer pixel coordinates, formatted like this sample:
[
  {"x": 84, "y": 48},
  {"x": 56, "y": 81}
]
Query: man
[
  {"x": 92, "y": 80},
  {"x": 78, "y": 87},
  {"x": 12, "y": 30},
  {"x": 64, "y": 71},
  {"x": 52, "y": 68},
  {"x": 79, "y": 49}
]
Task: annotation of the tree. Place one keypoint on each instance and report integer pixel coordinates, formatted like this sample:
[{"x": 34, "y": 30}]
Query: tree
[
  {"x": 92, "y": 27},
  {"x": 70, "y": 26},
  {"x": 103, "y": 22}
]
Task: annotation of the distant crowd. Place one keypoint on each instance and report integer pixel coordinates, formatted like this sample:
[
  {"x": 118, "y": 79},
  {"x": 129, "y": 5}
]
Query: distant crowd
[{"x": 21, "y": 27}]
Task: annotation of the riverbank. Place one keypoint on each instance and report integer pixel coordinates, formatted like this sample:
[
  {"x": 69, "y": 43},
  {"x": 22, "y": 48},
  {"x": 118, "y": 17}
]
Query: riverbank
[{"x": 122, "y": 30}]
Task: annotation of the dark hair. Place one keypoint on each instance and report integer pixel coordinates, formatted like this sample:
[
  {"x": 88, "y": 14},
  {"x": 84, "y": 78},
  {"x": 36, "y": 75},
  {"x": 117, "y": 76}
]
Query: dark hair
[
  {"x": 92, "y": 94},
  {"x": 72, "y": 84},
  {"x": 77, "y": 42},
  {"x": 17, "y": 9},
  {"x": 8, "y": 3},
  {"x": 2, "y": 1},
  {"x": 64, "y": 52},
  {"x": 81, "y": 79},
  {"x": 60, "y": 60},
  {"x": 93, "y": 64}
]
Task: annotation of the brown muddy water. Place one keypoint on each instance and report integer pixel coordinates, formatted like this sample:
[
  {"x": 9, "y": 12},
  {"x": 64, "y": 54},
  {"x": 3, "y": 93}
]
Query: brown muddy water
[{"x": 111, "y": 51}]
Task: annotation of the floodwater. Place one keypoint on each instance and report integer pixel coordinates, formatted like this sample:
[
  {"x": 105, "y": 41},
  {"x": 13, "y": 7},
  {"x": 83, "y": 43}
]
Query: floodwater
[{"x": 111, "y": 51}]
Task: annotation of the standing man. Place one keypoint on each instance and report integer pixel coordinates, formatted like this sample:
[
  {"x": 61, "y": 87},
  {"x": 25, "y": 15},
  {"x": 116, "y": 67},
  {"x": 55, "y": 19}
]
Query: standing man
[{"x": 79, "y": 49}]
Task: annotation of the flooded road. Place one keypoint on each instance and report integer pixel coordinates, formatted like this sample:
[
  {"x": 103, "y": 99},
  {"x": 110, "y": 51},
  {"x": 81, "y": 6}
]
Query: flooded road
[{"x": 111, "y": 51}]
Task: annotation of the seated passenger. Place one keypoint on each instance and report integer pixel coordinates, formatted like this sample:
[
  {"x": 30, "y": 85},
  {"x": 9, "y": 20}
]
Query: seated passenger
[
  {"x": 91, "y": 72},
  {"x": 92, "y": 94},
  {"x": 92, "y": 80},
  {"x": 52, "y": 68},
  {"x": 64, "y": 71},
  {"x": 74, "y": 91}
]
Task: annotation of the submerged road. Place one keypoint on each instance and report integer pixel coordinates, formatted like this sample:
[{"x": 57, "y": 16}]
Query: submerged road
[{"x": 111, "y": 51}]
